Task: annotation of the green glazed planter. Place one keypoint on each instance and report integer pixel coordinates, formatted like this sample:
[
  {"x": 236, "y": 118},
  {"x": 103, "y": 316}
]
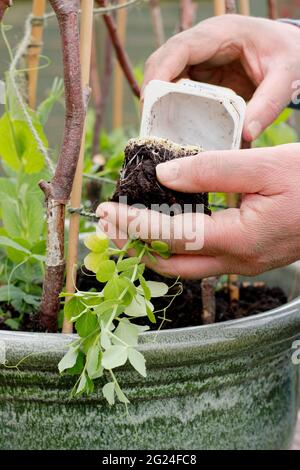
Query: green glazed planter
[{"x": 225, "y": 386}]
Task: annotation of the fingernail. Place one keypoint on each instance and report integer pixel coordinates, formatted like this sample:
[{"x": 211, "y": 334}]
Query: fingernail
[
  {"x": 101, "y": 212},
  {"x": 168, "y": 171},
  {"x": 254, "y": 129}
]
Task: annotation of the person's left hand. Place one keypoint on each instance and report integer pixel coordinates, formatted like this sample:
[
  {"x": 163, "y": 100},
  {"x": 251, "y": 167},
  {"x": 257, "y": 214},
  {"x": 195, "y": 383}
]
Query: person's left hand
[{"x": 264, "y": 233}]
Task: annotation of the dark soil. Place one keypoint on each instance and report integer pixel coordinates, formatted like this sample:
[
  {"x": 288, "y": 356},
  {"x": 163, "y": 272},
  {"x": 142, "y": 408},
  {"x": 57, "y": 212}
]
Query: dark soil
[
  {"x": 186, "y": 308},
  {"x": 138, "y": 178}
]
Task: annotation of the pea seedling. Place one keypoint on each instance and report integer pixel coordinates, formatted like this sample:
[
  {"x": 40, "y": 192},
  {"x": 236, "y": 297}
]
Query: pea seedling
[{"x": 108, "y": 336}]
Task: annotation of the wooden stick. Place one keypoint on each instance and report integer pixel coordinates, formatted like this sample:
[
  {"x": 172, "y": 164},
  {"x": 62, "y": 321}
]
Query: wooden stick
[
  {"x": 86, "y": 37},
  {"x": 157, "y": 22},
  {"x": 208, "y": 287},
  {"x": 272, "y": 9},
  {"x": 118, "y": 74},
  {"x": 244, "y": 7},
  {"x": 219, "y": 7},
  {"x": 35, "y": 49}
]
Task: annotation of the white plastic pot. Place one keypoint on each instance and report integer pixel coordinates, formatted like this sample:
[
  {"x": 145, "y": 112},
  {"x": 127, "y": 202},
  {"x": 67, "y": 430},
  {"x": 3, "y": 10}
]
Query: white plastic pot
[{"x": 193, "y": 113}]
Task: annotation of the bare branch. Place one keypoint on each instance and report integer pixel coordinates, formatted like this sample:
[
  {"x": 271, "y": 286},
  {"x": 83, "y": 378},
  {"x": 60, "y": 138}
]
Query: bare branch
[
  {"x": 120, "y": 51},
  {"x": 58, "y": 191}
]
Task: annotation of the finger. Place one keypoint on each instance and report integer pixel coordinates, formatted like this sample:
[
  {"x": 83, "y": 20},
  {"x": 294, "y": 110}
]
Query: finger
[
  {"x": 189, "y": 267},
  {"x": 269, "y": 100},
  {"x": 242, "y": 171},
  {"x": 182, "y": 50},
  {"x": 184, "y": 233}
]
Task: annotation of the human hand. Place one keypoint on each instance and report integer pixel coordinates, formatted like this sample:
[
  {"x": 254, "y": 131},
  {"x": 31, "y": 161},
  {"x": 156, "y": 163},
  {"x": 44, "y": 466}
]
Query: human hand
[
  {"x": 264, "y": 233},
  {"x": 257, "y": 58}
]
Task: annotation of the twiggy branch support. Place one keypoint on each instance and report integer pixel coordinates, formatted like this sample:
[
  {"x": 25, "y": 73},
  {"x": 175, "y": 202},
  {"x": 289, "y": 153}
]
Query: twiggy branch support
[{"x": 57, "y": 192}]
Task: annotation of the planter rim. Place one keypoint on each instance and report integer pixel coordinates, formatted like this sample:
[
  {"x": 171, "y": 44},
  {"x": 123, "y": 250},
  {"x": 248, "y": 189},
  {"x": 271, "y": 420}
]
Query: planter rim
[{"x": 257, "y": 331}]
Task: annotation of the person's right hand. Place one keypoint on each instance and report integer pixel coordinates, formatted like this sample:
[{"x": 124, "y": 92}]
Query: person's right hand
[{"x": 259, "y": 59}]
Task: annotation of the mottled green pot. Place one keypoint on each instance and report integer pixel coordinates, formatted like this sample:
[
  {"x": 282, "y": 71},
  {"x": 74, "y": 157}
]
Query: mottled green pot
[{"x": 226, "y": 386}]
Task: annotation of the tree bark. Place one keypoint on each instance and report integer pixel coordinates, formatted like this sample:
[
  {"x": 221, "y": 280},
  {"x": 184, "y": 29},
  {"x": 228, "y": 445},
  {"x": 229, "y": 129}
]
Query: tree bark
[
  {"x": 57, "y": 192},
  {"x": 4, "y": 4},
  {"x": 120, "y": 51}
]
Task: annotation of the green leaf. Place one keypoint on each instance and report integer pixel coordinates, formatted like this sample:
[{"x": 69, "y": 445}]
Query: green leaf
[
  {"x": 105, "y": 340},
  {"x": 109, "y": 392},
  {"x": 8, "y": 150},
  {"x": 46, "y": 106},
  {"x": 160, "y": 247},
  {"x": 35, "y": 218},
  {"x": 157, "y": 289},
  {"x": 7, "y": 293},
  {"x": 97, "y": 243},
  {"x": 7, "y": 242},
  {"x": 113, "y": 289},
  {"x": 137, "y": 361},
  {"x": 93, "y": 261},
  {"x": 145, "y": 288},
  {"x": 106, "y": 271},
  {"x": 113, "y": 357},
  {"x": 127, "y": 332},
  {"x": 108, "y": 306},
  {"x": 128, "y": 274},
  {"x": 150, "y": 308},
  {"x": 73, "y": 309},
  {"x": 127, "y": 263},
  {"x": 13, "y": 324},
  {"x": 69, "y": 360},
  {"x": 121, "y": 396},
  {"x": 137, "y": 308},
  {"x": 93, "y": 361},
  {"x": 86, "y": 324},
  {"x": 78, "y": 366}
]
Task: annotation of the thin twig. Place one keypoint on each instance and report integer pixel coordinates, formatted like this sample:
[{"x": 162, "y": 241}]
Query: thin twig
[{"x": 120, "y": 51}]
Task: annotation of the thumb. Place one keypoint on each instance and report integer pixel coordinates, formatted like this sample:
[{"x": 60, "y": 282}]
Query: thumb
[{"x": 269, "y": 100}]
